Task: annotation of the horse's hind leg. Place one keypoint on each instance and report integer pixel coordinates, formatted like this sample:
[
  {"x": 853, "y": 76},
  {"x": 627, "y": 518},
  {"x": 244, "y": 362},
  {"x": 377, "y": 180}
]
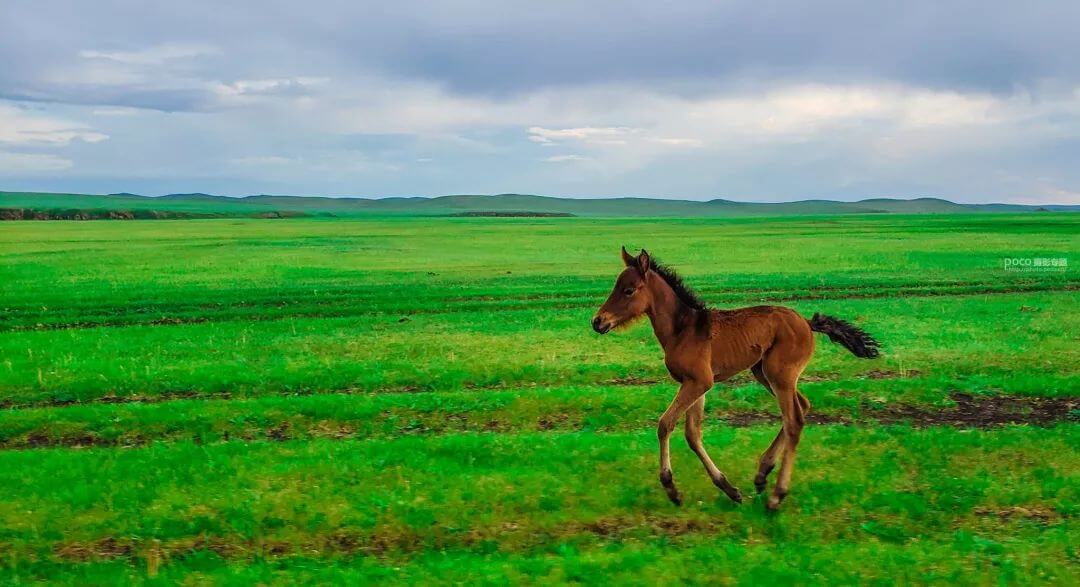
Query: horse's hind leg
[
  {"x": 782, "y": 379},
  {"x": 767, "y": 461},
  {"x": 695, "y": 416},
  {"x": 768, "y": 458}
]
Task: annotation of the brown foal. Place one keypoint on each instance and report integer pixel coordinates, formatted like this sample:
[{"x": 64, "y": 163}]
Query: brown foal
[{"x": 704, "y": 345}]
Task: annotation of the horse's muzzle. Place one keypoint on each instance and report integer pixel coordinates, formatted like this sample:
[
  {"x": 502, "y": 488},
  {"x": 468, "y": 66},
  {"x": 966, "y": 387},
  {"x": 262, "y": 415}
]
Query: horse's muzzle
[{"x": 600, "y": 325}]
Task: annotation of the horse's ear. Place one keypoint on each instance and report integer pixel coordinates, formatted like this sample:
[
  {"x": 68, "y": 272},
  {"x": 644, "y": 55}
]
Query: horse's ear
[
  {"x": 628, "y": 259},
  {"x": 644, "y": 262}
]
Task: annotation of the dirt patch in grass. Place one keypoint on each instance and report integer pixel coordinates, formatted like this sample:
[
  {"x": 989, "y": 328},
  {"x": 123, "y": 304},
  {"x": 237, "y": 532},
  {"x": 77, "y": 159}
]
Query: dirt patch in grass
[
  {"x": 8, "y": 404},
  {"x": 634, "y": 380},
  {"x": 104, "y": 549},
  {"x": 1039, "y": 514},
  {"x": 980, "y": 411},
  {"x": 883, "y": 374},
  {"x": 745, "y": 378},
  {"x": 970, "y": 411},
  {"x": 387, "y": 540},
  {"x": 391, "y": 540},
  {"x": 168, "y": 396}
]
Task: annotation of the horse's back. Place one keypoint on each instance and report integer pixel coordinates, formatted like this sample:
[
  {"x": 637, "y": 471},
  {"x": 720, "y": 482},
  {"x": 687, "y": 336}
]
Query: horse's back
[{"x": 743, "y": 337}]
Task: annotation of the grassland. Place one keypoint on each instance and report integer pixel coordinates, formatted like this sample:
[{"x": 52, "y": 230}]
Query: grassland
[{"x": 421, "y": 400}]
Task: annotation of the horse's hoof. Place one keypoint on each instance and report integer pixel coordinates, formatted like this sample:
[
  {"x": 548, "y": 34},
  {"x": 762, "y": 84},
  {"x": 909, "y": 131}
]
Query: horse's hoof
[
  {"x": 774, "y": 501},
  {"x": 759, "y": 484},
  {"x": 669, "y": 486},
  {"x": 675, "y": 497},
  {"x": 736, "y": 496},
  {"x": 729, "y": 490},
  {"x": 762, "y": 478}
]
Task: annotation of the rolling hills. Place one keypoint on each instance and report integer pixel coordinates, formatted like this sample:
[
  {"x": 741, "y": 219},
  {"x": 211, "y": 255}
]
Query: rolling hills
[{"x": 37, "y": 205}]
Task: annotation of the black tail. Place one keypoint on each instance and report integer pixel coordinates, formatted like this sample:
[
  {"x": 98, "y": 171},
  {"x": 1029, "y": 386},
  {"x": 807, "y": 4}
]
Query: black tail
[{"x": 852, "y": 337}]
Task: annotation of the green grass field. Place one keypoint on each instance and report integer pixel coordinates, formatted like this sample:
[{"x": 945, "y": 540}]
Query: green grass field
[{"x": 422, "y": 400}]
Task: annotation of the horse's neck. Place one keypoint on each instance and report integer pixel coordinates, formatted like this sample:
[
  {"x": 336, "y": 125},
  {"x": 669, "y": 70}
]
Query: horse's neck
[{"x": 666, "y": 314}]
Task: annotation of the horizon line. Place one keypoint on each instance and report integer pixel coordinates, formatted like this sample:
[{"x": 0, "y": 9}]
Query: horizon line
[{"x": 554, "y": 197}]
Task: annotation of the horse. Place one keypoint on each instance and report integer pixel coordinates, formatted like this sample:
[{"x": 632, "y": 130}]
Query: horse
[{"x": 703, "y": 345}]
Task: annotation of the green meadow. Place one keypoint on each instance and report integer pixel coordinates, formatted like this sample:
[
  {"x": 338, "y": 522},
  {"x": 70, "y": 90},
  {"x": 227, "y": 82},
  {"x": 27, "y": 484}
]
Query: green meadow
[{"x": 422, "y": 400}]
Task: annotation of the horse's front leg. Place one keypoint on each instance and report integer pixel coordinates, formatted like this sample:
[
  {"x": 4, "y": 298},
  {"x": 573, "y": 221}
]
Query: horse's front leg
[
  {"x": 695, "y": 417},
  {"x": 689, "y": 392}
]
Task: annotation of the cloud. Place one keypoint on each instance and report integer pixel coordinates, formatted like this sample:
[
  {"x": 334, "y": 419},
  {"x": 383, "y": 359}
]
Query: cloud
[
  {"x": 612, "y": 135},
  {"x": 21, "y": 128},
  {"x": 262, "y": 161},
  {"x": 677, "y": 142},
  {"x": 617, "y": 136},
  {"x": 1052, "y": 194},
  {"x": 779, "y": 142},
  {"x": 837, "y": 99},
  {"x": 283, "y": 86},
  {"x": 31, "y": 163},
  {"x": 153, "y": 55},
  {"x": 150, "y": 79},
  {"x": 331, "y": 162},
  {"x": 116, "y": 111},
  {"x": 703, "y": 46},
  {"x": 564, "y": 158}
]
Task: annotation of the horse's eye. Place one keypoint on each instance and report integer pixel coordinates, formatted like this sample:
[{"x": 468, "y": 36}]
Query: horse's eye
[{"x": 629, "y": 291}]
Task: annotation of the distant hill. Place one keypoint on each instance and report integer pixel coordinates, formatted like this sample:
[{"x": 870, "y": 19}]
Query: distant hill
[{"x": 31, "y": 205}]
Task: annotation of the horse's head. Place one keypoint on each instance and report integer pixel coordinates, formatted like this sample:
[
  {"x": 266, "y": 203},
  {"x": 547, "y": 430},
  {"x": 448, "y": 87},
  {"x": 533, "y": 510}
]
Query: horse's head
[{"x": 629, "y": 299}]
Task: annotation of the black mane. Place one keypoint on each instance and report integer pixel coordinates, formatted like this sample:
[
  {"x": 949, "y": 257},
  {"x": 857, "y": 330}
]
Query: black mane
[{"x": 684, "y": 293}]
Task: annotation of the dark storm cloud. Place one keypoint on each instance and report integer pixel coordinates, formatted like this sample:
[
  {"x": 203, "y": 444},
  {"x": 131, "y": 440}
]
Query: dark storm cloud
[
  {"x": 507, "y": 47},
  {"x": 974, "y": 45}
]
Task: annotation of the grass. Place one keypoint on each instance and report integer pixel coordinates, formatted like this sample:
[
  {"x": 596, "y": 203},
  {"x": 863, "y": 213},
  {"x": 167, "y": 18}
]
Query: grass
[
  {"x": 410, "y": 400},
  {"x": 999, "y": 346},
  {"x": 478, "y": 495}
]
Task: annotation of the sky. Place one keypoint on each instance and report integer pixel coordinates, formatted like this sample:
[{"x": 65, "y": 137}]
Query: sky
[{"x": 974, "y": 101}]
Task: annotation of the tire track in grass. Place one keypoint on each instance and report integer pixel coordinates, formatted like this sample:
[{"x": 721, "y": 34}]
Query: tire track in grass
[
  {"x": 395, "y": 540},
  {"x": 969, "y": 412},
  {"x": 399, "y": 541},
  {"x": 192, "y": 395}
]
